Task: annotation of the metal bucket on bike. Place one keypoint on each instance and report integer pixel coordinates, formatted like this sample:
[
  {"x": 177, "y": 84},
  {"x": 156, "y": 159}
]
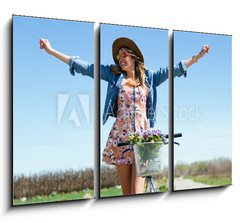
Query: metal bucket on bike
[{"x": 148, "y": 158}]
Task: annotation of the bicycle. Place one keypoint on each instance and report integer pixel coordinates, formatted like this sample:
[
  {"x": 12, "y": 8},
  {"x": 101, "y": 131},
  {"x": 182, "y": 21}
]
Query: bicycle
[{"x": 156, "y": 161}]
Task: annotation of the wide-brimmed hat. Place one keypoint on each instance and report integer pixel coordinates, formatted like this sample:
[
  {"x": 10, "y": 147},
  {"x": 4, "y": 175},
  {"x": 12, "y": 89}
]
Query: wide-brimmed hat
[{"x": 125, "y": 42}]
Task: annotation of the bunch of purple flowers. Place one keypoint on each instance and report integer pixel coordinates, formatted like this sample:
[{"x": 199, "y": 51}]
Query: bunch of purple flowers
[{"x": 150, "y": 135}]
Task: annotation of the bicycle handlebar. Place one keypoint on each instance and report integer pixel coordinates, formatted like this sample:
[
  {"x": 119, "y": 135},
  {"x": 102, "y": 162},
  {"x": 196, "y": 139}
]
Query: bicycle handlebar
[
  {"x": 126, "y": 143},
  {"x": 176, "y": 135}
]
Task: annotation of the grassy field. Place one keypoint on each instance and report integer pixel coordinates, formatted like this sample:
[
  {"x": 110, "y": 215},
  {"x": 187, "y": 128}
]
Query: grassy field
[
  {"x": 162, "y": 185},
  {"x": 216, "y": 172},
  {"x": 55, "y": 197},
  {"x": 215, "y": 181},
  {"x": 111, "y": 192}
]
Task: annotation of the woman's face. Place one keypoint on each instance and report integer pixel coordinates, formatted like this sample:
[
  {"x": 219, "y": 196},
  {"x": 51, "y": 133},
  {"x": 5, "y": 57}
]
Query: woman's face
[{"x": 126, "y": 62}]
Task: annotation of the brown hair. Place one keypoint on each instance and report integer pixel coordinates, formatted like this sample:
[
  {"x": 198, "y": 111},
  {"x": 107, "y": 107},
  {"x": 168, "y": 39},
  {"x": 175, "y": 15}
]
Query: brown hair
[{"x": 139, "y": 70}]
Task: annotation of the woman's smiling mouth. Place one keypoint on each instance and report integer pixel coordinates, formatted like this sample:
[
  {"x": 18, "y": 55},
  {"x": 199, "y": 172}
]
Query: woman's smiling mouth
[{"x": 122, "y": 65}]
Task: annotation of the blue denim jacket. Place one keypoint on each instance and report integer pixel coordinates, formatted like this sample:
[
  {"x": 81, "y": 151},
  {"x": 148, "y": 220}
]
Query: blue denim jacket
[{"x": 153, "y": 80}]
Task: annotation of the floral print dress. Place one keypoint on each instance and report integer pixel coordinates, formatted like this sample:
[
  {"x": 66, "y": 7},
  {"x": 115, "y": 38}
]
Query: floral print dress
[{"x": 128, "y": 120}]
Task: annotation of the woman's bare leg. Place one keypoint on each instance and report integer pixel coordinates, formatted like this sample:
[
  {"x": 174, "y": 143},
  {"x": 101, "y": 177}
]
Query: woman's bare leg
[
  {"x": 137, "y": 182},
  {"x": 125, "y": 175}
]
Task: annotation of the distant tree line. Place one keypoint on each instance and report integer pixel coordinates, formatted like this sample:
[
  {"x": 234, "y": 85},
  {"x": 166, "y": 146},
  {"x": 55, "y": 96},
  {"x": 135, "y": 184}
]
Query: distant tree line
[
  {"x": 47, "y": 183},
  {"x": 221, "y": 167}
]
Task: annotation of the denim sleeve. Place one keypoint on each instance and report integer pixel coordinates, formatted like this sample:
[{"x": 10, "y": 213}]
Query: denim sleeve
[
  {"x": 162, "y": 74},
  {"x": 180, "y": 69},
  {"x": 106, "y": 73},
  {"x": 86, "y": 68},
  {"x": 80, "y": 66}
]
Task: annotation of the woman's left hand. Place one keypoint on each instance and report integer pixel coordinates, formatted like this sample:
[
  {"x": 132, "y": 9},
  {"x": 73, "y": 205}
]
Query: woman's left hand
[{"x": 205, "y": 49}]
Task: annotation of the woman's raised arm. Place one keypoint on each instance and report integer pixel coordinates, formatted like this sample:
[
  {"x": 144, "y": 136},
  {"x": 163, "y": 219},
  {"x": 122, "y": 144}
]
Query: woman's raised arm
[
  {"x": 75, "y": 64},
  {"x": 45, "y": 44},
  {"x": 180, "y": 69},
  {"x": 78, "y": 65},
  {"x": 189, "y": 62}
]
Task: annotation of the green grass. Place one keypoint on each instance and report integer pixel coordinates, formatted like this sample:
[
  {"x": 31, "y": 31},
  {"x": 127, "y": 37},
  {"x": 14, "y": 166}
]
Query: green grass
[
  {"x": 163, "y": 188},
  {"x": 55, "y": 198},
  {"x": 162, "y": 184},
  {"x": 115, "y": 191},
  {"x": 111, "y": 192},
  {"x": 215, "y": 181}
]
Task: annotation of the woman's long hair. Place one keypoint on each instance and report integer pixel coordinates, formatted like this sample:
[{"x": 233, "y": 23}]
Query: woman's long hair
[{"x": 139, "y": 70}]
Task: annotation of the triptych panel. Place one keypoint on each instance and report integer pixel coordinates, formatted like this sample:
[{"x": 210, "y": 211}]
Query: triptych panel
[
  {"x": 130, "y": 111},
  {"x": 202, "y": 111},
  {"x": 54, "y": 110}
]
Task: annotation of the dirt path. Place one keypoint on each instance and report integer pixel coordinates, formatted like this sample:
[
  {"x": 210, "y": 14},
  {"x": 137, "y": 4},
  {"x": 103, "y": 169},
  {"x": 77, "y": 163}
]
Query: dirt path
[{"x": 184, "y": 184}]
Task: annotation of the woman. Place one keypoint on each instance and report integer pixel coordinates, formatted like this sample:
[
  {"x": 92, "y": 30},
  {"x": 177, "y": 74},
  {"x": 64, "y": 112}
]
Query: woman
[{"x": 131, "y": 98}]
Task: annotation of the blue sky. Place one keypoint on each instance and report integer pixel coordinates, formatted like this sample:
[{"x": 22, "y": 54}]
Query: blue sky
[
  {"x": 153, "y": 44},
  {"x": 47, "y": 98},
  {"x": 203, "y": 101}
]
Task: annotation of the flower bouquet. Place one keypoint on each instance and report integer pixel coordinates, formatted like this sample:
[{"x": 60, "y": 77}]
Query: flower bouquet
[{"x": 147, "y": 151}]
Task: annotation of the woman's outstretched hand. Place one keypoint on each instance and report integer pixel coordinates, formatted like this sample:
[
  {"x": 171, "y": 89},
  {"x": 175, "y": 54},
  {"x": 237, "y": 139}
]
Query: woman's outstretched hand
[
  {"x": 205, "y": 49},
  {"x": 45, "y": 44}
]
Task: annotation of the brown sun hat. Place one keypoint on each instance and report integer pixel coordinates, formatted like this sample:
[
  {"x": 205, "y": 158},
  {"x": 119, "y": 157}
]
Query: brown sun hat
[{"x": 125, "y": 42}]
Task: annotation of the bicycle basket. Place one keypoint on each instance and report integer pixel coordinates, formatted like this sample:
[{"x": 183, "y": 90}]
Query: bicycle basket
[{"x": 148, "y": 158}]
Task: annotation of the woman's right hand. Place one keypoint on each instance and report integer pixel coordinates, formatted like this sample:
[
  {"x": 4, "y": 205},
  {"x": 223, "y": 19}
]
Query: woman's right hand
[{"x": 45, "y": 44}]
